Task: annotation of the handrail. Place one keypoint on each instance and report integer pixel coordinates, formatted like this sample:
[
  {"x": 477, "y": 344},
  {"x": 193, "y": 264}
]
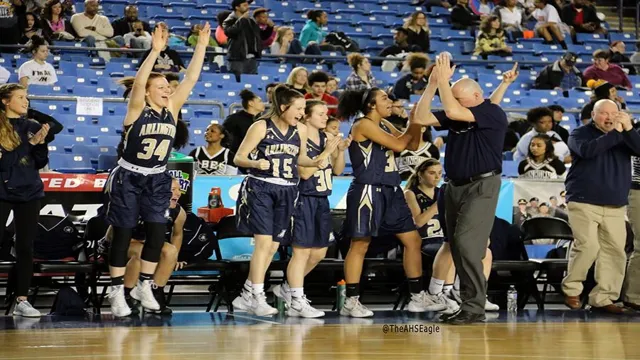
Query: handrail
[
  {"x": 214, "y": 103},
  {"x": 620, "y": 14},
  {"x": 637, "y": 19}
]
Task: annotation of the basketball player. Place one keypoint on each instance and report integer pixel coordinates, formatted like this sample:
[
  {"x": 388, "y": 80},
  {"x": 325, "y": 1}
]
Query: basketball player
[
  {"x": 213, "y": 158},
  {"x": 375, "y": 201},
  {"x": 272, "y": 150},
  {"x": 168, "y": 263},
  {"x": 409, "y": 159},
  {"x": 427, "y": 205},
  {"x": 140, "y": 187},
  {"x": 312, "y": 217}
]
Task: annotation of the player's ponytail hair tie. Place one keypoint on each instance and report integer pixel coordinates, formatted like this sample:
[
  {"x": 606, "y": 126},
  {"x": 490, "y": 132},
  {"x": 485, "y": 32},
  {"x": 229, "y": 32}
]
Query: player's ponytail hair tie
[{"x": 365, "y": 97}]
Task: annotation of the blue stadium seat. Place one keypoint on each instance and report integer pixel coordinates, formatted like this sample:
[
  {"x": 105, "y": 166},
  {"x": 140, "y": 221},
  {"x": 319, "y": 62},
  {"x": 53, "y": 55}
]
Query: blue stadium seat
[
  {"x": 582, "y": 38},
  {"x": 69, "y": 163},
  {"x": 93, "y": 131},
  {"x": 108, "y": 141},
  {"x": 510, "y": 168},
  {"x": 92, "y": 152},
  {"x": 626, "y": 37}
]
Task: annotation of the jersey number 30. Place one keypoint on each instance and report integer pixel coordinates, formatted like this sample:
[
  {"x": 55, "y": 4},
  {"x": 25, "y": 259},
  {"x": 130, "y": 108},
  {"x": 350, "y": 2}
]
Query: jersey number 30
[
  {"x": 152, "y": 148},
  {"x": 324, "y": 180}
]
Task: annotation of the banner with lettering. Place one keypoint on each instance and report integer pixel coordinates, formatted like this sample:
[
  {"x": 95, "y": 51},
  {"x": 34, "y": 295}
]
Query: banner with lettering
[{"x": 533, "y": 198}]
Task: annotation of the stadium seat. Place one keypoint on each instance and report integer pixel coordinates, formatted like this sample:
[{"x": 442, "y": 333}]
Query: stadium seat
[{"x": 69, "y": 163}]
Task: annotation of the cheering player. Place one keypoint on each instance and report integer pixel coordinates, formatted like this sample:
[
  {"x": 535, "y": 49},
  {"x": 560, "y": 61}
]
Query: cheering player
[{"x": 140, "y": 187}]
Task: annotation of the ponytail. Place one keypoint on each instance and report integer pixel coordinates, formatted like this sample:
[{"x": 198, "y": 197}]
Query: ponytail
[
  {"x": 354, "y": 102},
  {"x": 9, "y": 139},
  {"x": 282, "y": 95}
]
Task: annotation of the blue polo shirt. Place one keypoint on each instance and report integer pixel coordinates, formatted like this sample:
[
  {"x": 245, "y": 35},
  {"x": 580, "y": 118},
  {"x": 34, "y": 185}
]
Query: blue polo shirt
[
  {"x": 600, "y": 172},
  {"x": 474, "y": 148}
]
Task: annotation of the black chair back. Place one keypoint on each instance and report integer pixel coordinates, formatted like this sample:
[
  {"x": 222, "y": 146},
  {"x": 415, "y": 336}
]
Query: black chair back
[{"x": 546, "y": 228}]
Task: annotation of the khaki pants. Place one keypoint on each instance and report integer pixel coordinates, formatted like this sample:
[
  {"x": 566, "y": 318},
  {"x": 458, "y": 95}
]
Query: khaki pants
[
  {"x": 599, "y": 236},
  {"x": 632, "y": 282}
]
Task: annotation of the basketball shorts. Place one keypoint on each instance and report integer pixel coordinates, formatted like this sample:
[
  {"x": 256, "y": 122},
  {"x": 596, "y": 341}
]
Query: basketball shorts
[
  {"x": 132, "y": 196},
  {"x": 264, "y": 208},
  {"x": 312, "y": 227},
  {"x": 374, "y": 210}
]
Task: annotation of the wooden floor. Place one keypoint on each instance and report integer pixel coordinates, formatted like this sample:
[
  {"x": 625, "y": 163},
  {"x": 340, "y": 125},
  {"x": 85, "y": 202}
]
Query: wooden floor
[{"x": 549, "y": 335}]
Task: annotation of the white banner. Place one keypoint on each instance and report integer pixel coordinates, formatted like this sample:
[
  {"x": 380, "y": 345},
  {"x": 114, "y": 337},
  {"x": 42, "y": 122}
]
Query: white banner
[{"x": 533, "y": 198}]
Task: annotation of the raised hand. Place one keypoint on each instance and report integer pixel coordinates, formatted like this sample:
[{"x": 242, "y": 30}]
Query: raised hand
[
  {"x": 344, "y": 144},
  {"x": 263, "y": 164},
  {"x": 443, "y": 67},
  {"x": 511, "y": 75},
  {"x": 332, "y": 144},
  {"x": 623, "y": 119},
  {"x": 39, "y": 137},
  {"x": 159, "y": 38},
  {"x": 204, "y": 35}
]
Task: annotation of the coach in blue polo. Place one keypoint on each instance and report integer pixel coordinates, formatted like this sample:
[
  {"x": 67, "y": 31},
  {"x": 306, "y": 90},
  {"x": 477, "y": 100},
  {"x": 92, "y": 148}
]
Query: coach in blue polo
[{"x": 473, "y": 165}]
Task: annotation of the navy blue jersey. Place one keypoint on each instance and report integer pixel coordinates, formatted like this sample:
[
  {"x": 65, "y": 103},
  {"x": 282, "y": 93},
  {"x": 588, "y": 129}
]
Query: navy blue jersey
[
  {"x": 139, "y": 233},
  {"x": 373, "y": 163},
  {"x": 281, "y": 150},
  {"x": 320, "y": 184},
  {"x": 149, "y": 140},
  {"x": 432, "y": 230}
]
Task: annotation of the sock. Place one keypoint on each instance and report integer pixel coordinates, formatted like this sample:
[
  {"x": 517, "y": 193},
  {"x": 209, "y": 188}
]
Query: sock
[
  {"x": 353, "y": 290},
  {"x": 415, "y": 285},
  {"x": 127, "y": 291},
  {"x": 447, "y": 287},
  {"x": 144, "y": 277},
  {"x": 117, "y": 281},
  {"x": 296, "y": 293},
  {"x": 257, "y": 289},
  {"x": 456, "y": 284},
  {"x": 563, "y": 44},
  {"x": 435, "y": 286},
  {"x": 247, "y": 286}
]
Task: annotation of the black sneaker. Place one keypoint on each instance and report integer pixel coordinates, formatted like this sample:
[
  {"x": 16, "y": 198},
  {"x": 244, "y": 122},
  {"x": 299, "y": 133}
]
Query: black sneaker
[
  {"x": 158, "y": 293},
  {"x": 133, "y": 305}
]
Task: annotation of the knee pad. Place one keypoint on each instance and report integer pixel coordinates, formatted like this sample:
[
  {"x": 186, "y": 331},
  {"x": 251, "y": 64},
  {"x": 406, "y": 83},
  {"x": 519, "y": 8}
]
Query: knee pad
[
  {"x": 118, "y": 252},
  {"x": 154, "y": 242}
]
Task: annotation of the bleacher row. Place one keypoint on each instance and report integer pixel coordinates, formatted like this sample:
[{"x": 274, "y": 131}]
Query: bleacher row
[{"x": 85, "y": 140}]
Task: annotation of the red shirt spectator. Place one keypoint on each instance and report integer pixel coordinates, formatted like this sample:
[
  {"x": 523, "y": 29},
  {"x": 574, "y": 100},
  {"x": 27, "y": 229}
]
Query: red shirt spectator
[
  {"x": 318, "y": 83},
  {"x": 603, "y": 70}
]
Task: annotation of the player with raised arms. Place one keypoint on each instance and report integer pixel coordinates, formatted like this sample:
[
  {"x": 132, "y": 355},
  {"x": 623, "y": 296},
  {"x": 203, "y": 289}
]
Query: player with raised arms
[
  {"x": 140, "y": 186},
  {"x": 375, "y": 200},
  {"x": 312, "y": 217},
  {"x": 272, "y": 150}
]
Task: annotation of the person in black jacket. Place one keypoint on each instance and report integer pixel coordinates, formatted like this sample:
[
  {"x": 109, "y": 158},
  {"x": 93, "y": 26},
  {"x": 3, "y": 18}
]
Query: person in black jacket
[
  {"x": 582, "y": 18},
  {"x": 237, "y": 124},
  {"x": 23, "y": 151},
  {"x": 124, "y": 25},
  {"x": 553, "y": 76},
  {"x": 463, "y": 18},
  {"x": 245, "y": 39}
]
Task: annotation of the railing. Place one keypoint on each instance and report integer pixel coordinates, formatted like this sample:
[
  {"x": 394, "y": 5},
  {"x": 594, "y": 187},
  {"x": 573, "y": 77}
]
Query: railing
[
  {"x": 637, "y": 19},
  {"x": 213, "y": 103}
]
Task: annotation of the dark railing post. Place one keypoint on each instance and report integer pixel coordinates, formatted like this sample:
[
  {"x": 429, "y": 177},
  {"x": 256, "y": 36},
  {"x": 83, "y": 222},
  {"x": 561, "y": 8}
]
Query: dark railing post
[
  {"x": 637, "y": 19},
  {"x": 620, "y": 14}
]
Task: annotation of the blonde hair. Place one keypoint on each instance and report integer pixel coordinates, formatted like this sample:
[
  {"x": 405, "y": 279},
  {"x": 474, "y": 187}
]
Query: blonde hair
[
  {"x": 410, "y": 22},
  {"x": 281, "y": 32},
  {"x": 355, "y": 59},
  {"x": 9, "y": 139},
  {"x": 294, "y": 73}
]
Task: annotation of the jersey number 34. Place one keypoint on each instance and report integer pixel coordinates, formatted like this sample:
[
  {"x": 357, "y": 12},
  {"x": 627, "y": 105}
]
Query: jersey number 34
[{"x": 152, "y": 148}]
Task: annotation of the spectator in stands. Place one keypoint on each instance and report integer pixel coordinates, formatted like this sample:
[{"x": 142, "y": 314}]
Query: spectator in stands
[
  {"x": 312, "y": 32},
  {"x": 399, "y": 116},
  {"x": 418, "y": 31},
  {"x": 361, "y": 78},
  {"x": 125, "y": 24},
  {"x": 598, "y": 185},
  {"x": 261, "y": 16},
  {"x": 37, "y": 71},
  {"x": 4, "y": 75},
  {"x": 269, "y": 88},
  {"x": 415, "y": 82},
  {"x": 169, "y": 60},
  {"x": 561, "y": 75},
  {"x": 549, "y": 25},
  {"x": 558, "y": 113},
  {"x": 32, "y": 27},
  {"x": 23, "y": 151},
  {"x": 541, "y": 162},
  {"x": 601, "y": 90},
  {"x": 214, "y": 158},
  {"x": 55, "y": 25},
  {"x": 192, "y": 40},
  {"x": 635, "y": 58},
  {"x": 220, "y": 36},
  {"x": 398, "y": 49},
  {"x": 581, "y": 18},
  {"x": 333, "y": 127},
  {"x": 92, "y": 28},
  {"x": 485, "y": 8},
  {"x": 245, "y": 39},
  {"x": 297, "y": 79},
  {"x": 542, "y": 120},
  {"x": 318, "y": 84},
  {"x": 491, "y": 39},
  {"x": 285, "y": 43},
  {"x": 602, "y": 69},
  {"x": 332, "y": 86},
  {"x": 11, "y": 15},
  {"x": 34, "y": 6},
  {"x": 138, "y": 38},
  {"x": 511, "y": 17},
  {"x": 617, "y": 50},
  {"x": 237, "y": 124},
  {"x": 462, "y": 17}
]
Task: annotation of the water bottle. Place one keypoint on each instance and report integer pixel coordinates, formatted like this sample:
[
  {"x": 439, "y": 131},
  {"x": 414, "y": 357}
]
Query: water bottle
[
  {"x": 341, "y": 294},
  {"x": 512, "y": 299},
  {"x": 215, "y": 201}
]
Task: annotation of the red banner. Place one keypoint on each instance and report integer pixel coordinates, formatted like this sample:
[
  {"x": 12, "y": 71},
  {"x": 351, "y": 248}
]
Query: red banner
[{"x": 73, "y": 182}]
